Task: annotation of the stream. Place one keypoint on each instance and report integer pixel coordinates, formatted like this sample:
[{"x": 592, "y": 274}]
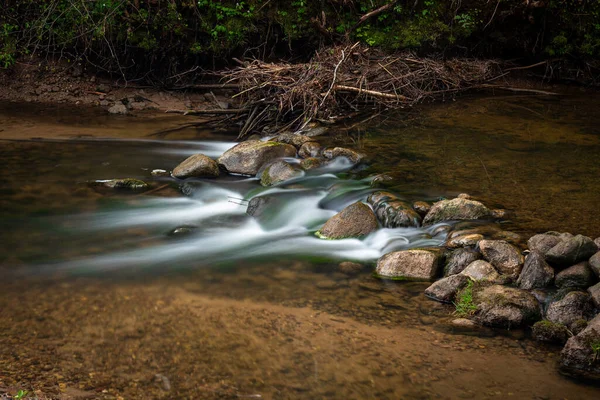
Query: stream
[{"x": 178, "y": 293}]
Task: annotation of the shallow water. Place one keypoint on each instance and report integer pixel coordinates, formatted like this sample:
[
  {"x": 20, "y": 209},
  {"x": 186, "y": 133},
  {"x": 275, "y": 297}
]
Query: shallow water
[{"x": 99, "y": 296}]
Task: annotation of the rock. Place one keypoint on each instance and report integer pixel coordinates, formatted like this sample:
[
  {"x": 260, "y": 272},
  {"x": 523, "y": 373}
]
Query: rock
[
  {"x": 579, "y": 357},
  {"x": 317, "y": 131},
  {"x": 597, "y": 241},
  {"x": 469, "y": 240},
  {"x": 480, "y": 270},
  {"x": 505, "y": 257},
  {"x": 595, "y": 264},
  {"x": 350, "y": 268},
  {"x": 310, "y": 163},
  {"x": 248, "y": 157},
  {"x": 506, "y": 307},
  {"x": 543, "y": 242},
  {"x": 499, "y": 213},
  {"x": 118, "y": 108},
  {"x": 578, "y": 326},
  {"x": 445, "y": 289},
  {"x": 126, "y": 183},
  {"x": 381, "y": 181},
  {"x": 160, "y": 172},
  {"x": 571, "y": 251},
  {"x": 536, "y": 272},
  {"x": 459, "y": 259},
  {"x": 351, "y": 155},
  {"x": 279, "y": 171},
  {"x": 309, "y": 149},
  {"x": 464, "y": 323},
  {"x": 197, "y": 166},
  {"x": 507, "y": 236},
  {"x": 550, "y": 332},
  {"x": 579, "y": 275},
  {"x": 572, "y": 307},
  {"x": 162, "y": 382},
  {"x": 418, "y": 264},
  {"x": 182, "y": 231},
  {"x": 456, "y": 209},
  {"x": 353, "y": 221},
  {"x": 422, "y": 207},
  {"x": 392, "y": 212},
  {"x": 258, "y": 206},
  {"x": 294, "y": 139},
  {"x": 594, "y": 292}
]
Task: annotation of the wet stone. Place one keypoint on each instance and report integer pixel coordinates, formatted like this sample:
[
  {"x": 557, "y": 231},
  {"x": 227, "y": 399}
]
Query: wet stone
[
  {"x": 579, "y": 356},
  {"x": 356, "y": 220},
  {"x": 579, "y": 275},
  {"x": 501, "y": 306},
  {"x": 595, "y": 264},
  {"x": 505, "y": 257},
  {"x": 248, "y": 157},
  {"x": 456, "y": 209},
  {"x": 459, "y": 259},
  {"x": 278, "y": 172},
  {"x": 446, "y": 288},
  {"x": 481, "y": 270},
  {"x": 594, "y": 292},
  {"x": 550, "y": 332},
  {"x": 393, "y": 212},
  {"x": 574, "y": 306},
  {"x": 536, "y": 272},
  {"x": 469, "y": 240},
  {"x": 409, "y": 265},
  {"x": 197, "y": 166},
  {"x": 350, "y": 268},
  {"x": 571, "y": 251},
  {"x": 543, "y": 242},
  {"x": 309, "y": 149}
]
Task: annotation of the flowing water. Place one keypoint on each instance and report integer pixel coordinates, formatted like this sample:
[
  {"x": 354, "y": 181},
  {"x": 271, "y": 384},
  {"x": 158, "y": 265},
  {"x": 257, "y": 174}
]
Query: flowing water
[{"x": 105, "y": 298}]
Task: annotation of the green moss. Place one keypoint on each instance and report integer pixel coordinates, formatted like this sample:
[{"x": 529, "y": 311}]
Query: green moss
[{"x": 465, "y": 306}]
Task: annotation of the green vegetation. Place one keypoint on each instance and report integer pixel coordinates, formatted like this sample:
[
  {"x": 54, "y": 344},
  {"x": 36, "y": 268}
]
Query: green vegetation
[
  {"x": 21, "y": 394},
  {"x": 160, "y": 38},
  {"x": 465, "y": 307}
]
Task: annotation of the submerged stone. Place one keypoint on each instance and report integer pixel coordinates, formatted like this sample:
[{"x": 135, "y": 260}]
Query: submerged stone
[
  {"x": 356, "y": 220},
  {"x": 126, "y": 183},
  {"x": 393, "y": 212},
  {"x": 277, "y": 172}
]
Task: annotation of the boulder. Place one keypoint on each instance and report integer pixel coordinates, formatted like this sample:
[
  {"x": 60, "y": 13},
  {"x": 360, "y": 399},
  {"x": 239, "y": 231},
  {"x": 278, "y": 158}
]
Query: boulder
[
  {"x": 258, "y": 206},
  {"x": 458, "y": 260},
  {"x": 356, "y": 220},
  {"x": 505, "y": 257},
  {"x": 579, "y": 275},
  {"x": 468, "y": 240},
  {"x": 336, "y": 152},
  {"x": 446, "y": 288},
  {"x": 456, "y": 209},
  {"x": 392, "y": 212},
  {"x": 295, "y": 139},
  {"x": 197, "y": 166},
  {"x": 580, "y": 358},
  {"x": 571, "y": 251},
  {"x": 594, "y": 292},
  {"x": 501, "y": 306},
  {"x": 480, "y": 270},
  {"x": 309, "y": 149},
  {"x": 543, "y": 242},
  {"x": 248, "y": 157},
  {"x": 277, "y": 172},
  {"x": 597, "y": 241},
  {"x": 420, "y": 264},
  {"x": 550, "y": 332},
  {"x": 574, "y": 306},
  {"x": 118, "y": 108},
  {"x": 536, "y": 272},
  {"x": 310, "y": 163},
  {"x": 422, "y": 207},
  {"x": 595, "y": 264}
]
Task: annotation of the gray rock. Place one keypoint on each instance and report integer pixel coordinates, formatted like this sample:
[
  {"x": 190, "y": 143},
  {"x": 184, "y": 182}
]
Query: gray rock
[
  {"x": 294, "y": 139},
  {"x": 505, "y": 257},
  {"x": 579, "y": 275},
  {"x": 550, "y": 332},
  {"x": 310, "y": 163},
  {"x": 536, "y": 272},
  {"x": 468, "y": 240},
  {"x": 351, "y": 155},
  {"x": 543, "y": 242},
  {"x": 571, "y": 251},
  {"x": 382, "y": 181},
  {"x": 459, "y": 259},
  {"x": 506, "y": 307},
  {"x": 574, "y": 306},
  {"x": 445, "y": 289},
  {"x": 417, "y": 264},
  {"x": 309, "y": 149},
  {"x": 350, "y": 268},
  {"x": 197, "y": 166},
  {"x": 356, "y": 220},
  {"x": 277, "y": 172},
  {"x": 393, "y": 212},
  {"x": 480, "y": 270},
  {"x": 456, "y": 209},
  {"x": 595, "y": 264},
  {"x": 259, "y": 206},
  {"x": 597, "y": 241},
  {"x": 594, "y": 292},
  {"x": 118, "y": 108},
  {"x": 579, "y": 357},
  {"x": 248, "y": 157}
]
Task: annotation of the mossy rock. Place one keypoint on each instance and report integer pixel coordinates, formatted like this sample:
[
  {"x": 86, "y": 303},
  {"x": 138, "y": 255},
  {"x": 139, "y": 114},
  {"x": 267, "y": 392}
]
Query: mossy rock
[{"x": 550, "y": 332}]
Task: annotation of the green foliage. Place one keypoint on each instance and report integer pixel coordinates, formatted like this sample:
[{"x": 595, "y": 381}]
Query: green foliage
[
  {"x": 465, "y": 307},
  {"x": 21, "y": 394}
]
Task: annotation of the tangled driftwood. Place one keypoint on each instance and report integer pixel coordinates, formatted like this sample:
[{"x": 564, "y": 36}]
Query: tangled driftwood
[{"x": 343, "y": 79}]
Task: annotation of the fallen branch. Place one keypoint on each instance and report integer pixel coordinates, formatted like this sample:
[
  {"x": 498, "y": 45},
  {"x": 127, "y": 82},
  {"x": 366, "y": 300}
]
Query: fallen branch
[
  {"x": 373, "y": 93},
  {"x": 514, "y": 89},
  {"x": 371, "y": 14},
  {"x": 208, "y": 112}
]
